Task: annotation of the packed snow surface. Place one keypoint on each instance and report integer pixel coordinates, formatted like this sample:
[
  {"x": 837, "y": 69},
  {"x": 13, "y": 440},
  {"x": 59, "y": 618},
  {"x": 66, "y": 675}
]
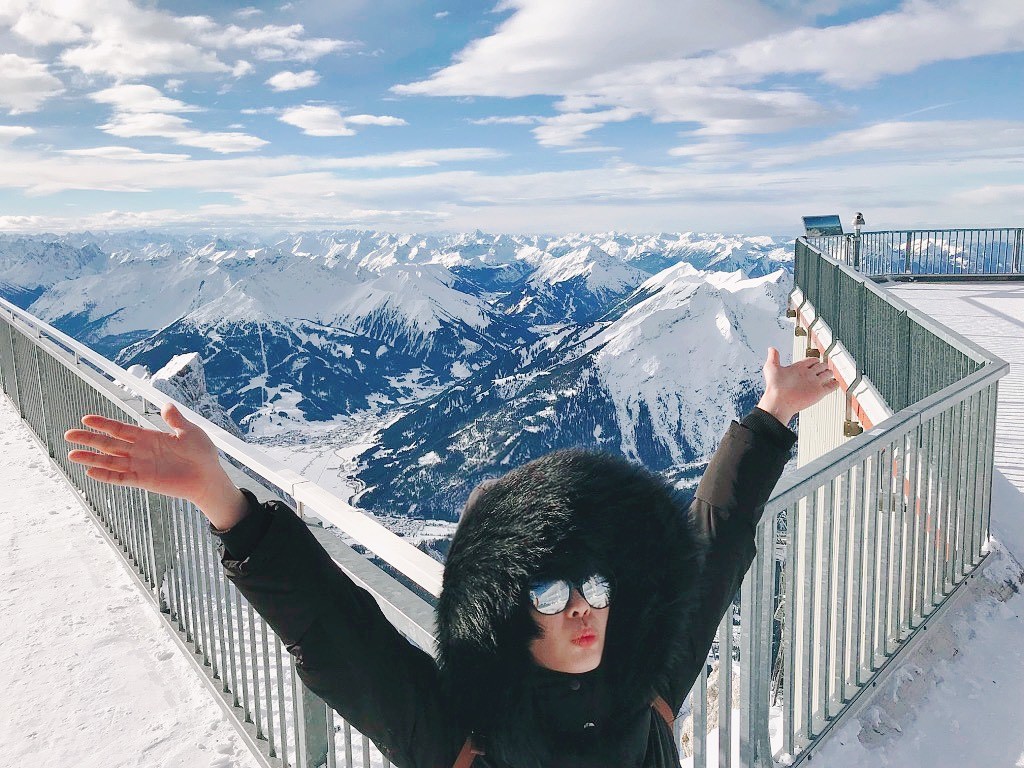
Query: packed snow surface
[{"x": 90, "y": 676}]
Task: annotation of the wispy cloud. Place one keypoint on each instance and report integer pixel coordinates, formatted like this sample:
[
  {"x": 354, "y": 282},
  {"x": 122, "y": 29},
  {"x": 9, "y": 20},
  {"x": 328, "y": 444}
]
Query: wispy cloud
[
  {"x": 317, "y": 120},
  {"x": 180, "y": 131},
  {"x": 140, "y": 98},
  {"x": 129, "y": 154},
  {"x": 9, "y": 133}
]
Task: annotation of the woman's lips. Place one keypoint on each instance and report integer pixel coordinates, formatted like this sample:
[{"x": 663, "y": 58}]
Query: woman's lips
[{"x": 586, "y": 638}]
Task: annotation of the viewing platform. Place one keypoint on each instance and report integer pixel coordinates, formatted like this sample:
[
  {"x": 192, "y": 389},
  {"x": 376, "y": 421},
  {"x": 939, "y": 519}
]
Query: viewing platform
[{"x": 876, "y": 577}]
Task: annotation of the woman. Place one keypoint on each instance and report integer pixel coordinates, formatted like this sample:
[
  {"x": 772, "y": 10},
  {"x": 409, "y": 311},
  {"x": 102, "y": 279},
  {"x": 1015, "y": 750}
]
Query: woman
[{"x": 578, "y": 605}]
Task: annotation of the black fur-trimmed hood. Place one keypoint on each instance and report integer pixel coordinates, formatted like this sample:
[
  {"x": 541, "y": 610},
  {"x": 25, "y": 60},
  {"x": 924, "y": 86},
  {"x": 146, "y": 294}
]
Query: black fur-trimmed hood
[{"x": 568, "y": 511}]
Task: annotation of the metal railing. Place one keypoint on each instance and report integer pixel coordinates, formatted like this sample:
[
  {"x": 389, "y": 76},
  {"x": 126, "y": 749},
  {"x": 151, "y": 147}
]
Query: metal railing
[
  {"x": 855, "y": 550},
  {"x": 875, "y": 535},
  {"x": 53, "y": 380},
  {"x": 929, "y": 253}
]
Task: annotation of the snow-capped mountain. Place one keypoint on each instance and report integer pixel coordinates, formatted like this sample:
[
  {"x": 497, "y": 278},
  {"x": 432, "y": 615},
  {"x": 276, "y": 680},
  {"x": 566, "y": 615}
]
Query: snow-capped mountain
[
  {"x": 469, "y": 353},
  {"x": 656, "y": 379}
]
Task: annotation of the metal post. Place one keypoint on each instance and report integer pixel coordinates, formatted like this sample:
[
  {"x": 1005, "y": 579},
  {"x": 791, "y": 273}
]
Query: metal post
[{"x": 310, "y": 725}]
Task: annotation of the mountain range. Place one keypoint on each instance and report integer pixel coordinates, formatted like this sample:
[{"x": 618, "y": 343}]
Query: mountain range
[{"x": 409, "y": 367}]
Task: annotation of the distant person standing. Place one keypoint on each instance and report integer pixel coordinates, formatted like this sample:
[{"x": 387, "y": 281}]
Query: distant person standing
[{"x": 580, "y": 597}]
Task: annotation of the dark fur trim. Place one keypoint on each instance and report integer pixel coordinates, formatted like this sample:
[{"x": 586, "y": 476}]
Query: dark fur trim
[{"x": 567, "y": 511}]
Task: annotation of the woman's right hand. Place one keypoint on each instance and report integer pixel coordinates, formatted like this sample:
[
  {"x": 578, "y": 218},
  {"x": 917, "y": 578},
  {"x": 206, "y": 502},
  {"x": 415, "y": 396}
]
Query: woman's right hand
[{"x": 183, "y": 463}]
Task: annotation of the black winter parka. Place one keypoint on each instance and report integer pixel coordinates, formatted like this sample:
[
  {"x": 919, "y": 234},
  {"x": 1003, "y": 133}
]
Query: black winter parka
[{"x": 676, "y": 571}]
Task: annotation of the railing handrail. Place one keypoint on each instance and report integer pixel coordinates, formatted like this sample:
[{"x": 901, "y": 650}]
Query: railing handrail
[
  {"x": 412, "y": 562},
  {"x": 820, "y": 690},
  {"x": 795, "y": 484}
]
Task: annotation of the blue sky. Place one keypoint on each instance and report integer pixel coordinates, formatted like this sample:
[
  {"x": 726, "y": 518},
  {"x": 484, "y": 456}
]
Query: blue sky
[{"x": 528, "y": 116}]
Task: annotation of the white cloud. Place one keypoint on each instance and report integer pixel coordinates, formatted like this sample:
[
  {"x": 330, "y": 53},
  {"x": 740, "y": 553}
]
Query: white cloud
[
  {"x": 25, "y": 83},
  {"x": 173, "y": 85},
  {"x": 274, "y": 42},
  {"x": 910, "y": 139},
  {"x": 508, "y": 120},
  {"x": 291, "y": 81},
  {"x": 417, "y": 158},
  {"x": 589, "y": 150},
  {"x": 139, "y": 98},
  {"x": 9, "y": 133},
  {"x": 303, "y": 191},
  {"x": 441, "y": 14},
  {"x": 40, "y": 27},
  {"x": 385, "y": 120},
  {"x": 554, "y": 48},
  {"x": 127, "y": 154},
  {"x": 242, "y": 68},
  {"x": 126, "y": 40},
  {"x": 248, "y": 12},
  {"x": 260, "y": 111},
  {"x": 708, "y": 63},
  {"x": 316, "y": 120},
  {"x": 179, "y": 130},
  {"x": 567, "y": 129}
]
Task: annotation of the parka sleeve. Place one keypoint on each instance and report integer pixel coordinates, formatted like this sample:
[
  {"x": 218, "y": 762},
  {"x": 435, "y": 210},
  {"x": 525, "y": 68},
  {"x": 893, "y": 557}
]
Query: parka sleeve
[
  {"x": 345, "y": 649},
  {"x": 724, "y": 514}
]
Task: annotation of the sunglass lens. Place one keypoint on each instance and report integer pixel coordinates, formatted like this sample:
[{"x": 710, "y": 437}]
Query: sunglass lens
[
  {"x": 550, "y": 596},
  {"x": 597, "y": 591}
]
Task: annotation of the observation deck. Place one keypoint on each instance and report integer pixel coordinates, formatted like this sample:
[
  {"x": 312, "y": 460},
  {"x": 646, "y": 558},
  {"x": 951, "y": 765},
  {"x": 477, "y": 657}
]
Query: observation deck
[{"x": 902, "y": 517}]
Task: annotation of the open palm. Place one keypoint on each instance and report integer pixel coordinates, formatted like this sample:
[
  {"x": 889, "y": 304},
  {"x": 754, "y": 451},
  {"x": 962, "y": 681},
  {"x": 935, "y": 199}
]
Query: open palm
[{"x": 179, "y": 463}]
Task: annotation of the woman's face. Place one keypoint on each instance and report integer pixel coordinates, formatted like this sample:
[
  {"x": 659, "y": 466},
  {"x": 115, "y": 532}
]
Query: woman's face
[{"x": 573, "y": 640}]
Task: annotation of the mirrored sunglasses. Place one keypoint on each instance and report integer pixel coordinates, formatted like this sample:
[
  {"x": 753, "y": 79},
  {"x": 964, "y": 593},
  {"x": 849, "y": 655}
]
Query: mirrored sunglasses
[{"x": 552, "y": 596}]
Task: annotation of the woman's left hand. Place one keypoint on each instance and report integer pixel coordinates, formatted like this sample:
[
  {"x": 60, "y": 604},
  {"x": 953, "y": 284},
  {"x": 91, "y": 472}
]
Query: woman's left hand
[{"x": 788, "y": 389}]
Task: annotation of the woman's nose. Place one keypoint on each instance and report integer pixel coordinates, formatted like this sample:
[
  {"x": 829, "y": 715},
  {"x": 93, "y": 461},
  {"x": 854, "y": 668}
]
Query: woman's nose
[{"x": 578, "y": 604}]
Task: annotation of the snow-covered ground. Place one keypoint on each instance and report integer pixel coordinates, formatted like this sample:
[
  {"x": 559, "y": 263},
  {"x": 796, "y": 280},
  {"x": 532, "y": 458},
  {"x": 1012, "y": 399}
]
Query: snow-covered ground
[
  {"x": 90, "y": 677},
  {"x": 958, "y": 700}
]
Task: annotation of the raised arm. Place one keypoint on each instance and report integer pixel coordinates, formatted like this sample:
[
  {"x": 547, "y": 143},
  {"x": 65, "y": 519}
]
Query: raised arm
[
  {"x": 346, "y": 650},
  {"x": 731, "y": 496}
]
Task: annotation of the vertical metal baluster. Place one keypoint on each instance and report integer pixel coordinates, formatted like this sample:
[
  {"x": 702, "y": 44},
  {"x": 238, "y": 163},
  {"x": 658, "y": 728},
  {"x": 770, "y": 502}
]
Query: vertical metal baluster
[
  {"x": 219, "y": 597},
  {"x": 255, "y": 672},
  {"x": 911, "y": 526},
  {"x": 366, "y": 752},
  {"x": 977, "y": 475},
  {"x": 865, "y": 643},
  {"x": 243, "y": 672},
  {"x": 267, "y": 688},
  {"x": 332, "y": 743},
  {"x": 283, "y": 733},
  {"x": 700, "y": 719},
  {"x": 808, "y": 611},
  {"x": 230, "y": 634},
  {"x": 990, "y": 456},
  {"x": 922, "y": 544},
  {"x": 725, "y": 689},
  {"x": 884, "y": 527},
  {"x": 209, "y": 596},
  {"x": 963, "y": 416},
  {"x": 198, "y": 597},
  {"x": 182, "y": 560},
  {"x": 347, "y": 731},
  {"x": 826, "y": 658},
  {"x": 842, "y": 620},
  {"x": 300, "y": 741},
  {"x": 790, "y": 638}
]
